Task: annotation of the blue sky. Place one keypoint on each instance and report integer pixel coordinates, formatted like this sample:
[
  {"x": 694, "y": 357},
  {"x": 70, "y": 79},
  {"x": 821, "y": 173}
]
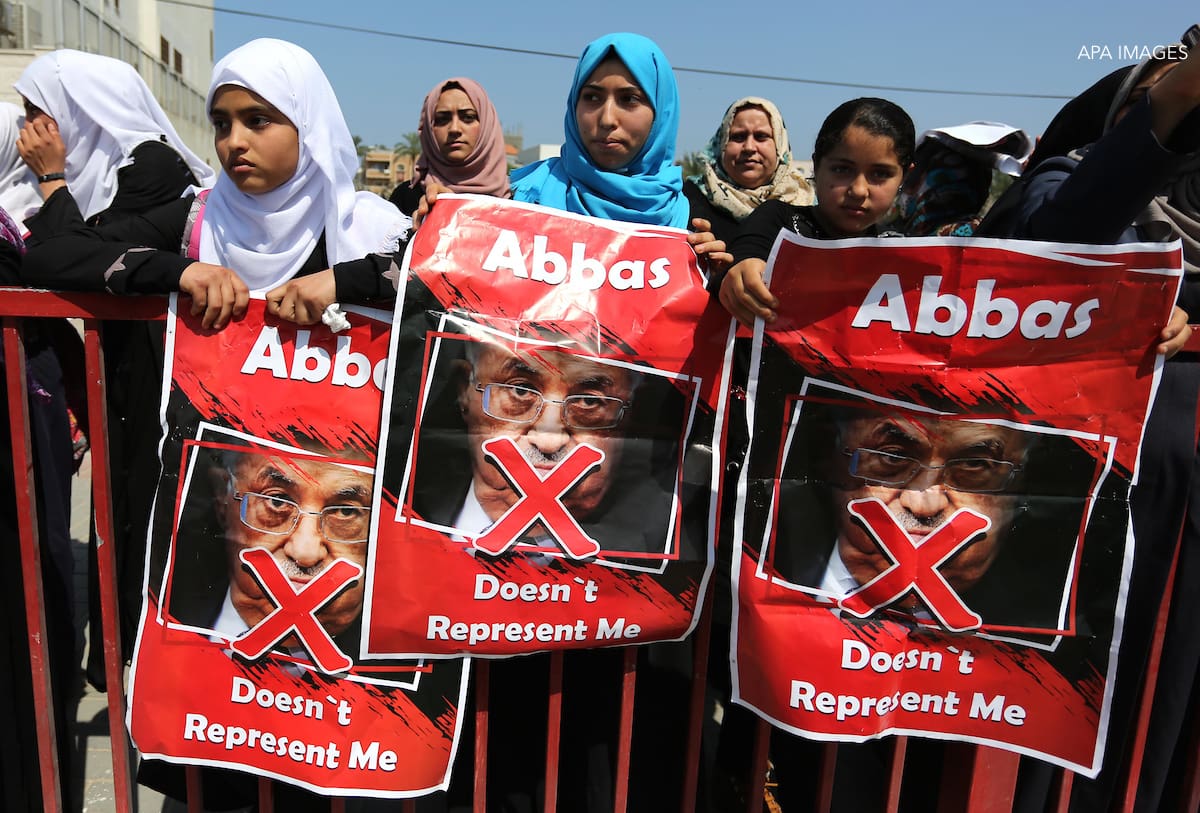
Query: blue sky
[{"x": 1019, "y": 46}]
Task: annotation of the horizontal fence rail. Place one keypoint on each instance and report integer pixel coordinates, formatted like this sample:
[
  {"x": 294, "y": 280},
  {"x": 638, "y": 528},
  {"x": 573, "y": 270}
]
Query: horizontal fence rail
[{"x": 973, "y": 778}]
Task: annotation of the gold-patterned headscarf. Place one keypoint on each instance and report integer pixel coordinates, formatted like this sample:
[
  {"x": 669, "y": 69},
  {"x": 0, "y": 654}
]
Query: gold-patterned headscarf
[{"x": 788, "y": 184}]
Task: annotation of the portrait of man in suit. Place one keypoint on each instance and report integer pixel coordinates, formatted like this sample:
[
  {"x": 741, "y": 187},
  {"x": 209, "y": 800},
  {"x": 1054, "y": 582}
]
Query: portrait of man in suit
[
  {"x": 551, "y": 407},
  {"x": 864, "y": 488},
  {"x": 924, "y": 469},
  {"x": 307, "y": 511},
  {"x": 548, "y": 403}
]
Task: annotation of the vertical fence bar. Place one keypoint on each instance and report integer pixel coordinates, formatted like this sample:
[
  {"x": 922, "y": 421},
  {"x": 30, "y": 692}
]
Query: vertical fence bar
[
  {"x": 553, "y": 730},
  {"x": 825, "y": 773},
  {"x": 266, "y": 795},
  {"x": 1150, "y": 683},
  {"x": 977, "y": 779},
  {"x": 1190, "y": 795},
  {"x": 106, "y": 560},
  {"x": 758, "y": 766},
  {"x": 1061, "y": 790},
  {"x": 625, "y": 728},
  {"x": 483, "y": 676},
  {"x": 696, "y": 706},
  {"x": 31, "y": 564},
  {"x": 896, "y": 774},
  {"x": 1190, "y": 798},
  {"x": 195, "y": 788}
]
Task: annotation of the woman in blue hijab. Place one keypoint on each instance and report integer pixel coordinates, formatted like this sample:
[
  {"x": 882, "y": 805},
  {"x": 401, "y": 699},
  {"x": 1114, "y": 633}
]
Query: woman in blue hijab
[
  {"x": 621, "y": 123},
  {"x": 617, "y": 163}
]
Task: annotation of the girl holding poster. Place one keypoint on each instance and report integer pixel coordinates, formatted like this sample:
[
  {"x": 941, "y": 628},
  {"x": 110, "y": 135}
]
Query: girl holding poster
[
  {"x": 618, "y": 159},
  {"x": 283, "y": 219},
  {"x": 617, "y": 163},
  {"x": 863, "y": 149}
]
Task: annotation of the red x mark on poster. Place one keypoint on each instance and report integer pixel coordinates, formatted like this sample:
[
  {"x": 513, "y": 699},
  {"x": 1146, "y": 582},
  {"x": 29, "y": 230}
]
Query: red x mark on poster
[
  {"x": 541, "y": 498},
  {"x": 295, "y": 610},
  {"x": 915, "y": 566}
]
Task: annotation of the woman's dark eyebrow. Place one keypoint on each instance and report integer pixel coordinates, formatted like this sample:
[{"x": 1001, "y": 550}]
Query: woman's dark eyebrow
[
  {"x": 250, "y": 110},
  {"x": 600, "y": 88}
]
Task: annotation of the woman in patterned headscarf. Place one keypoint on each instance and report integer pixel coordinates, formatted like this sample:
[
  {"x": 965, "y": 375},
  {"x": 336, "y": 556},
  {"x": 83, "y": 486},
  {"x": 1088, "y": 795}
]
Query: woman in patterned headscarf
[{"x": 747, "y": 161}]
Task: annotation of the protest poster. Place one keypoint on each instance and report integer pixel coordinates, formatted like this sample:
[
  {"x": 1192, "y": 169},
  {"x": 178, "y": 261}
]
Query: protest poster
[
  {"x": 934, "y": 507},
  {"x": 249, "y": 648},
  {"x": 549, "y": 433}
]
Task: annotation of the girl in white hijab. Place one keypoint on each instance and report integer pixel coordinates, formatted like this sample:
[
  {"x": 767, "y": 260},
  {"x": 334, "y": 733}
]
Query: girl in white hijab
[
  {"x": 103, "y": 111},
  {"x": 283, "y": 218},
  {"x": 266, "y": 235}
]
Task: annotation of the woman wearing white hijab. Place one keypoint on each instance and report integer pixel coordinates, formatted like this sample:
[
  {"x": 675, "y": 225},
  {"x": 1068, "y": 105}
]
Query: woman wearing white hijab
[
  {"x": 19, "y": 194},
  {"x": 121, "y": 151},
  {"x": 266, "y": 236},
  {"x": 283, "y": 218}
]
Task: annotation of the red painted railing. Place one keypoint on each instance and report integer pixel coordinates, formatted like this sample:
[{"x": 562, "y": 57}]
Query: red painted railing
[{"x": 973, "y": 779}]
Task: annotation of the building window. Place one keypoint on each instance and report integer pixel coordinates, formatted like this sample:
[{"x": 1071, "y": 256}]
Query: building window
[
  {"x": 178, "y": 62},
  {"x": 164, "y": 50}
]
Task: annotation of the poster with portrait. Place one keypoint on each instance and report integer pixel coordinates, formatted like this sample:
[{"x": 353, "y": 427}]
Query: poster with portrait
[
  {"x": 250, "y": 648},
  {"x": 935, "y": 501},
  {"x": 549, "y": 435}
]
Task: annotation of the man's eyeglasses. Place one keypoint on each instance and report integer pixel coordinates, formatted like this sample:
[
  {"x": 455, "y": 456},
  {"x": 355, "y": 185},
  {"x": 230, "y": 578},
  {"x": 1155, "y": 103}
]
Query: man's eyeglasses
[
  {"x": 516, "y": 404},
  {"x": 272, "y": 514},
  {"x": 980, "y": 475}
]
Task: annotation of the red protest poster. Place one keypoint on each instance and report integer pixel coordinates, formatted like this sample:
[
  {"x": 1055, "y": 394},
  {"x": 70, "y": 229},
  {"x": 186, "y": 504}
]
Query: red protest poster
[
  {"x": 249, "y": 653},
  {"x": 933, "y": 511},
  {"x": 548, "y": 465}
]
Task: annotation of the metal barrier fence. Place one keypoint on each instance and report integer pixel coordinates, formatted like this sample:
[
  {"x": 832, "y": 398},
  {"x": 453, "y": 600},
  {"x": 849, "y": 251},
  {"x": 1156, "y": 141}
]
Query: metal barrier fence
[{"x": 974, "y": 779}]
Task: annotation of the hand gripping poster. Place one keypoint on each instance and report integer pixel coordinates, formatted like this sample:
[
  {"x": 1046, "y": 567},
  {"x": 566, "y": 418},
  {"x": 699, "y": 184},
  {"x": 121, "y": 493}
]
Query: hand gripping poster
[
  {"x": 546, "y": 480},
  {"x": 934, "y": 509},
  {"x": 249, "y": 653}
]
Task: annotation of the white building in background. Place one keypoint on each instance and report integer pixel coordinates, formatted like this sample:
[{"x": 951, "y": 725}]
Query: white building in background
[
  {"x": 538, "y": 152},
  {"x": 170, "y": 45}
]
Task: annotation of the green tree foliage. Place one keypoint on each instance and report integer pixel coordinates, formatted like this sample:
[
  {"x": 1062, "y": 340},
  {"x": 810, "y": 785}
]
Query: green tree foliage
[
  {"x": 409, "y": 145},
  {"x": 690, "y": 163}
]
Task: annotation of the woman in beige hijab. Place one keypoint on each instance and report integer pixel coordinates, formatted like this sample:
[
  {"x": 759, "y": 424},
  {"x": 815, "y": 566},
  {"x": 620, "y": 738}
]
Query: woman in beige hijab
[{"x": 747, "y": 161}]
